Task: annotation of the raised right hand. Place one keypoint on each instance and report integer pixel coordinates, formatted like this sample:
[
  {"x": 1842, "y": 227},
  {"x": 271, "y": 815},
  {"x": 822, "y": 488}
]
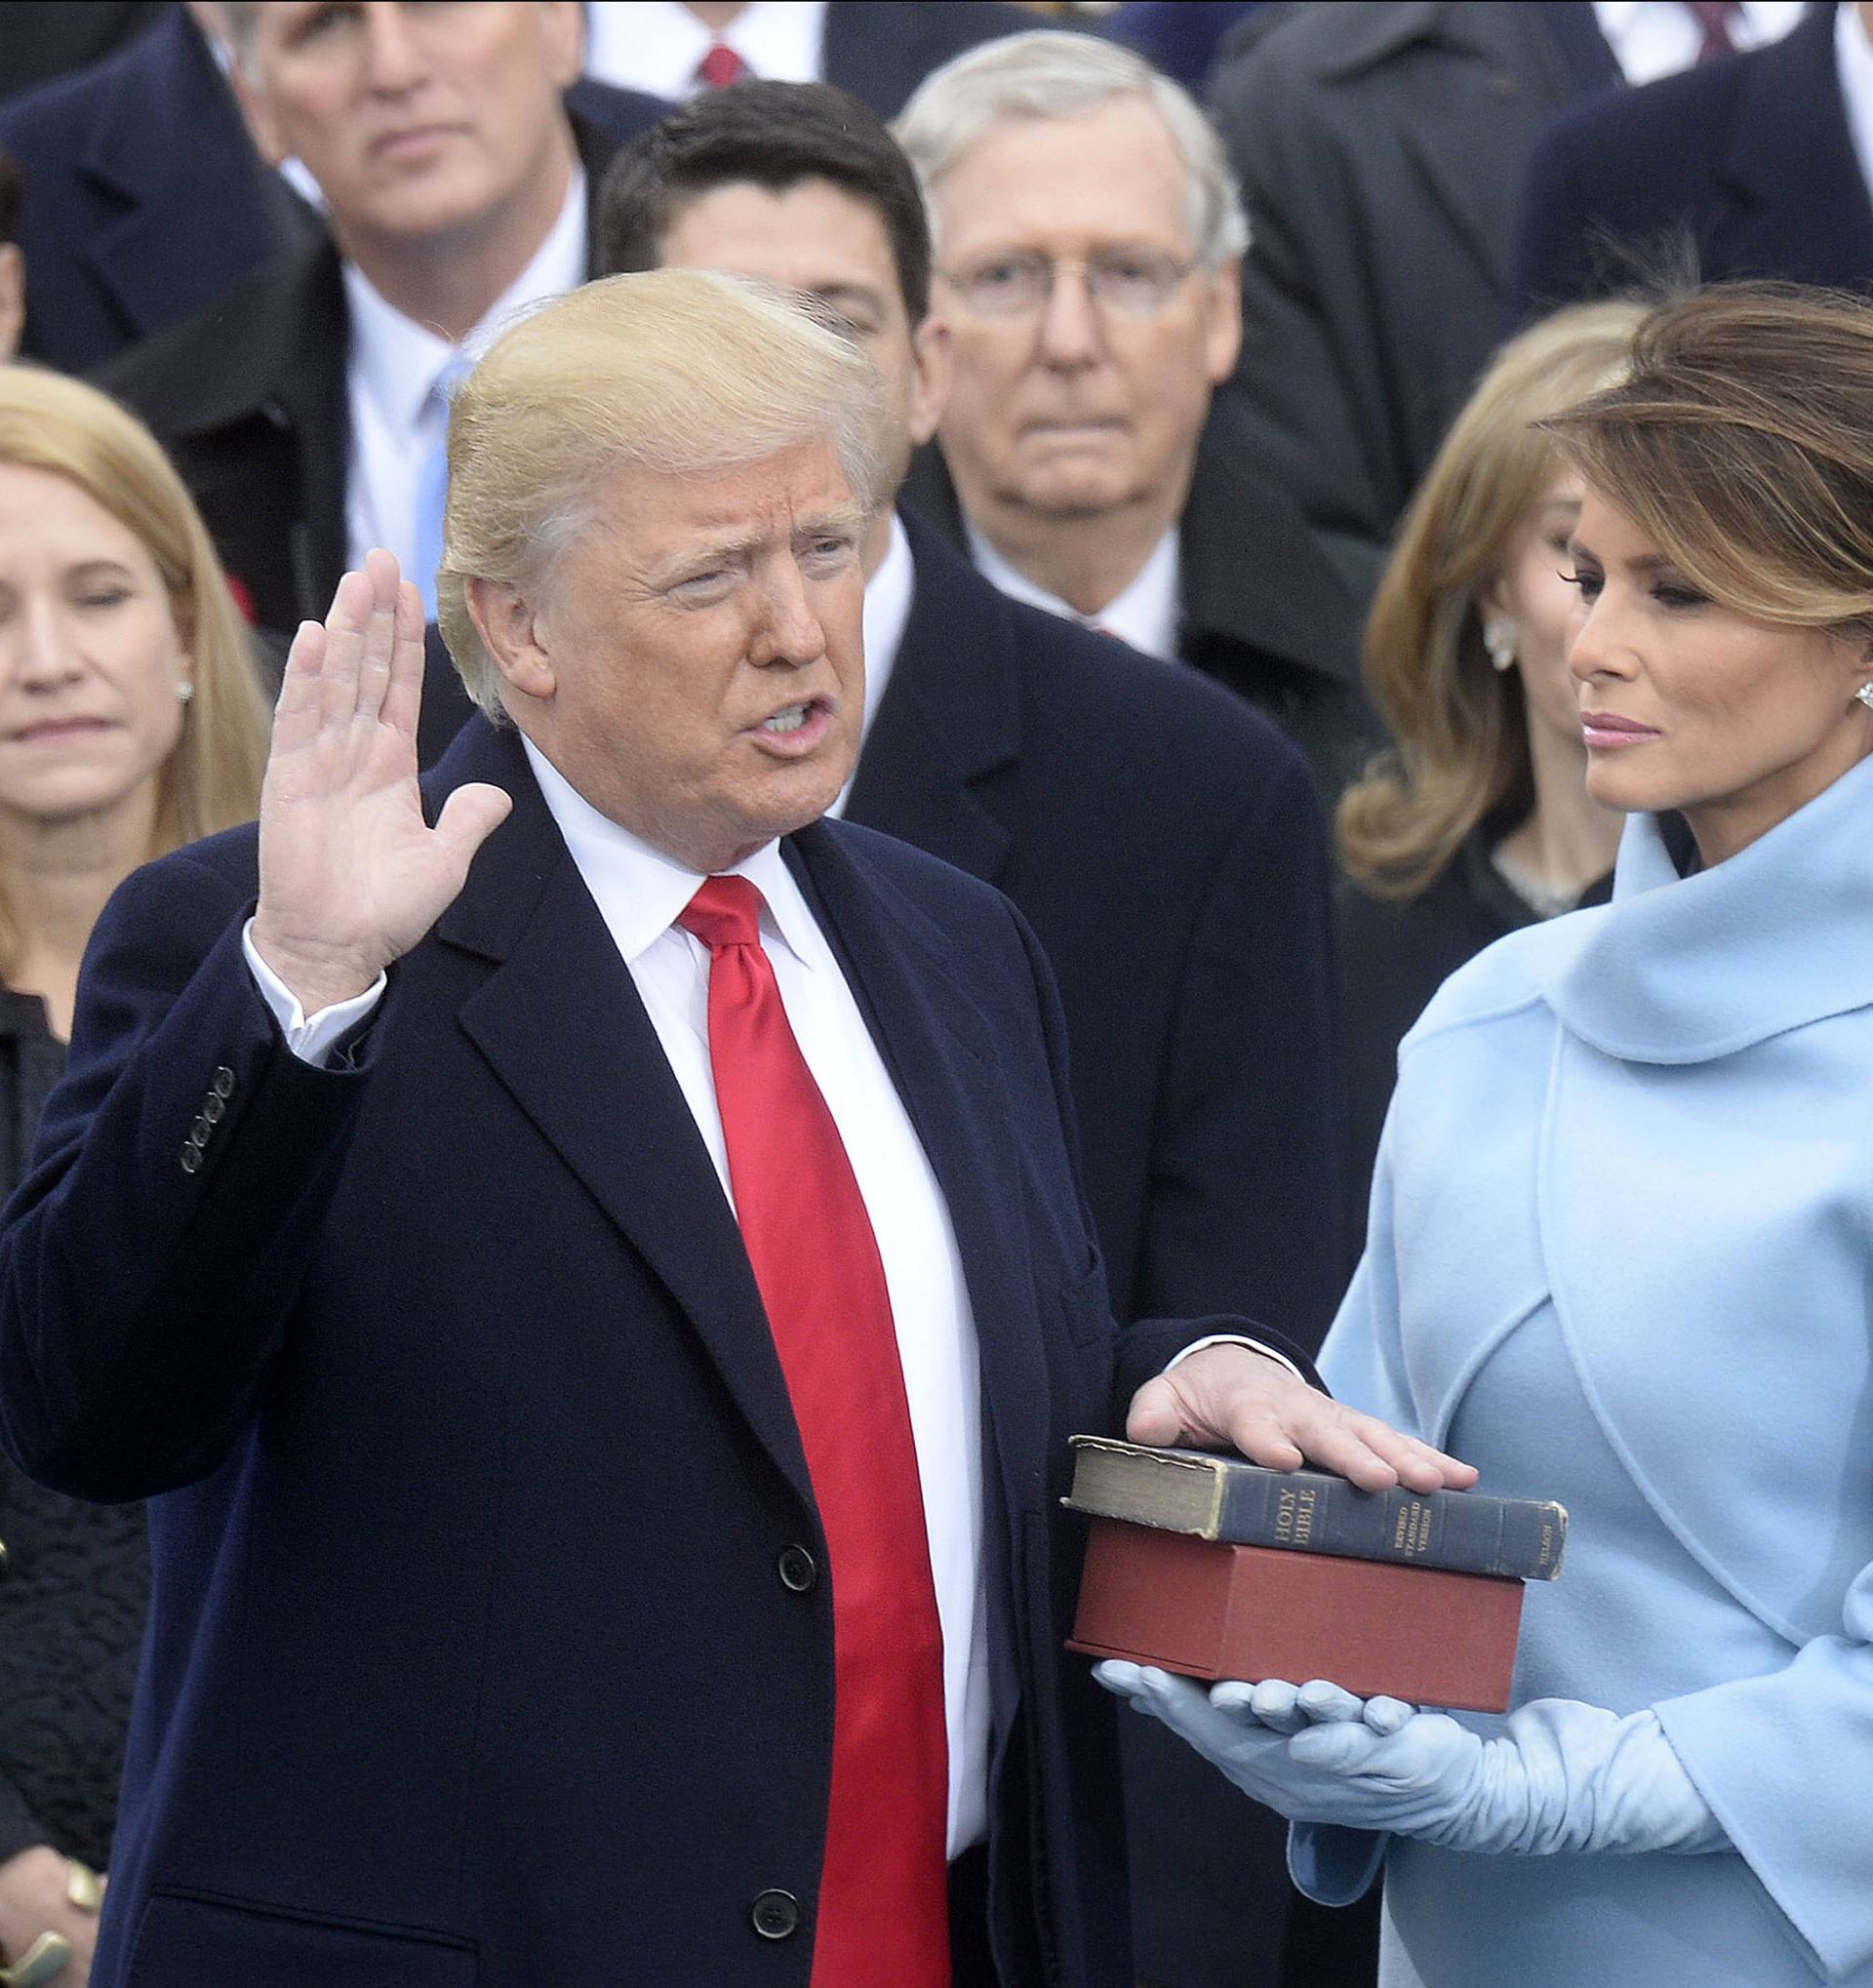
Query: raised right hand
[{"x": 351, "y": 875}]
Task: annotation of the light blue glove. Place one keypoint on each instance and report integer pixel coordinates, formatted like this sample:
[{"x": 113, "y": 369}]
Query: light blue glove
[{"x": 1561, "y": 1776}]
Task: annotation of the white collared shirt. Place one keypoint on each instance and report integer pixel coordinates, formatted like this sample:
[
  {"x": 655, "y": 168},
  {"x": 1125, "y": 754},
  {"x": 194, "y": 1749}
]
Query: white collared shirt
[
  {"x": 1654, "y": 38},
  {"x": 391, "y": 367},
  {"x": 658, "y": 45},
  {"x": 639, "y": 893},
  {"x": 888, "y": 599},
  {"x": 1853, "y": 64},
  {"x": 1145, "y": 613}
]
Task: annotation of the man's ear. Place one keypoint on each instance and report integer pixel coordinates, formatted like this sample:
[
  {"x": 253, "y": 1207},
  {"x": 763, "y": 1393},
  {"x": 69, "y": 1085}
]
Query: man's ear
[
  {"x": 562, "y": 24},
  {"x": 257, "y": 110},
  {"x": 933, "y": 367},
  {"x": 513, "y": 635},
  {"x": 12, "y": 298},
  {"x": 1222, "y": 320}
]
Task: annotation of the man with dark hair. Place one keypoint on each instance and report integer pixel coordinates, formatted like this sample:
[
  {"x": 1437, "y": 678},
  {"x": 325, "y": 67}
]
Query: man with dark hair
[{"x": 1158, "y": 834}]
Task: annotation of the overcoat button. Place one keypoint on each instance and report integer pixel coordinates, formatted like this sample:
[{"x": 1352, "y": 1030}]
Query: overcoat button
[
  {"x": 223, "y": 1081},
  {"x": 797, "y": 1570},
  {"x": 191, "y": 1159},
  {"x": 775, "y": 1915},
  {"x": 213, "y": 1107},
  {"x": 199, "y": 1131}
]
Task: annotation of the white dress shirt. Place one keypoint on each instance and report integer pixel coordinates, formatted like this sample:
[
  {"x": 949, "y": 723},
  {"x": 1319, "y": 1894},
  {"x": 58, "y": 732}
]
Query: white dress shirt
[
  {"x": 1145, "y": 613},
  {"x": 639, "y": 893},
  {"x": 1654, "y": 38},
  {"x": 656, "y": 44},
  {"x": 887, "y": 598},
  {"x": 391, "y": 368}
]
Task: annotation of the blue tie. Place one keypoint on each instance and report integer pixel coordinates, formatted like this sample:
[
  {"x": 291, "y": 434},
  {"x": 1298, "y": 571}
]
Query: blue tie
[{"x": 432, "y": 486}]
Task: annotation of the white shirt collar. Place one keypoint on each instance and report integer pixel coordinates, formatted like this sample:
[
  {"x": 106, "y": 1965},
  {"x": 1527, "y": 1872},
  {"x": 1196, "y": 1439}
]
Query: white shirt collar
[
  {"x": 1654, "y": 38},
  {"x": 395, "y": 361},
  {"x": 1145, "y": 614},
  {"x": 639, "y": 891},
  {"x": 655, "y": 45},
  {"x": 888, "y": 601},
  {"x": 1854, "y": 62}
]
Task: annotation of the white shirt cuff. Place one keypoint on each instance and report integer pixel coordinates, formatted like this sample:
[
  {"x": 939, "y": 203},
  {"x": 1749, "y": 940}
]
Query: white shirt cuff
[
  {"x": 310, "y": 1037},
  {"x": 1237, "y": 1339}
]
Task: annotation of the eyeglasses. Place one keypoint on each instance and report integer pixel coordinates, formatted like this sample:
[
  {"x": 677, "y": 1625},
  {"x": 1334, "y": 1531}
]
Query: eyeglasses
[{"x": 1133, "y": 283}]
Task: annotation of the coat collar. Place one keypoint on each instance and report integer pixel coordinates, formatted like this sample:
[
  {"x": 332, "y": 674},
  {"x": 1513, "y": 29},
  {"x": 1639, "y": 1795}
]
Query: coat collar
[
  {"x": 950, "y": 714},
  {"x": 1793, "y": 85},
  {"x": 558, "y": 979},
  {"x": 1726, "y": 957}
]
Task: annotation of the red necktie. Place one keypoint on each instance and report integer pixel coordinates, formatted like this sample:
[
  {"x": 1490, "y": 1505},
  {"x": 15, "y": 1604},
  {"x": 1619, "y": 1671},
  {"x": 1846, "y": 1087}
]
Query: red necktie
[
  {"x": 721, "y": 67},
  {"x": 884, "y": 1897},
  {"x": 1713, "y": 18}
]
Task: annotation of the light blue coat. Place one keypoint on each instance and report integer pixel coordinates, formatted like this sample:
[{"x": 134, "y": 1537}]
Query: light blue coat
[{"x": 1620, "y": 1249}]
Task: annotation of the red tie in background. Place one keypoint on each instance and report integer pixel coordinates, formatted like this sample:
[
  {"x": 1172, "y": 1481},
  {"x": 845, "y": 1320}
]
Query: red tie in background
[
  {"x": 884, "y": 1900},
  {"x": 1713, "y": 16},
  {"x": 721, "y": 67}
]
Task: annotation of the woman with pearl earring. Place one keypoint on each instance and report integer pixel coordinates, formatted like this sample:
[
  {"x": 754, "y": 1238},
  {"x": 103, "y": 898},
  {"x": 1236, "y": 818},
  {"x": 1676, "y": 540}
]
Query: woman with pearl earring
[{"x": 1476, "y": 820}]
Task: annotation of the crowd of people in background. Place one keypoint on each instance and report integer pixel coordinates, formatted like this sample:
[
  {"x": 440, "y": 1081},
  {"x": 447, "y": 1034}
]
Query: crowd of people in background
[{"x": 1290, "y": 418}]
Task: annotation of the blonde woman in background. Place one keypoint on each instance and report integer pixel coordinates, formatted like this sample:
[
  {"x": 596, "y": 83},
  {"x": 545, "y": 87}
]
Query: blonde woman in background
[
  {"x": 130, "y": 721},
  {"x": 1476, "y": 820}
]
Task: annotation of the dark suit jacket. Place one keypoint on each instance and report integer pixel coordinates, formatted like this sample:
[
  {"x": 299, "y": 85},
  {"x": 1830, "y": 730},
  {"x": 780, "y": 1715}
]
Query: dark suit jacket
[
  {"x": 1380, "y": 149},
  {"x": 42, "y": 39},
  {"x": 1747, "y": 161},
  {"x": 470, "y": 1451},
  {"x": 881, "y": 49},
  {"x": 248, "y": 397},
  {"x": 1164, "y": 846},
  {"x": 145, "y": 196},
  {"x": 1265, "y": 610}
]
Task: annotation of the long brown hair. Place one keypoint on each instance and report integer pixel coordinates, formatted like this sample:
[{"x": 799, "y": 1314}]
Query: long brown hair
[
  {"x": 1460, "y": 751},
  {"x": 212, "y": 778},
  {"x": 1741, "y": 444}
]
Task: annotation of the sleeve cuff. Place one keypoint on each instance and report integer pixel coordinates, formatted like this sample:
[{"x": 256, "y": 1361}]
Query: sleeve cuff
[
  {"x": 310, "y": 1037},
  {"x": 1237, "y": 1339}
]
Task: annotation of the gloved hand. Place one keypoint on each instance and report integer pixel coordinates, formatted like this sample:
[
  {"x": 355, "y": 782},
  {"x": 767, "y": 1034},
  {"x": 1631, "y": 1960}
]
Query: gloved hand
[{"x": 1561, "y": 1776}]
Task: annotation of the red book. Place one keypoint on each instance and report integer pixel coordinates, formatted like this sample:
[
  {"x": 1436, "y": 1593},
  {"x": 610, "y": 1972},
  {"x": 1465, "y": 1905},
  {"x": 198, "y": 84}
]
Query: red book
[{"x": 1212, "y": 1610}]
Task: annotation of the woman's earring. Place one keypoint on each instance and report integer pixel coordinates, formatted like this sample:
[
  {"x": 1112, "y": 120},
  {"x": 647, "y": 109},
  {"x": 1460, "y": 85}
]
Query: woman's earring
[
  {"x": 184, "y": 690},
  {"x": 1499, "y": 638},
  {"x": 1865, "y": 695}
]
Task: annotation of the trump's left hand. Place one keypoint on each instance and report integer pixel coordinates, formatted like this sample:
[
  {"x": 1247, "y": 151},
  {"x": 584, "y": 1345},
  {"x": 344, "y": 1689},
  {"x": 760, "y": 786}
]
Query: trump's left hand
[
  {"x": 1561, "y": 1777},
  {"x": 1230, "y": 1396}
]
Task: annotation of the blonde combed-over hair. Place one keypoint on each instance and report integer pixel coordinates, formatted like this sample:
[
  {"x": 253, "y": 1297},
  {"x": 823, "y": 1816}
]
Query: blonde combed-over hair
[
  {"x": 212, "y": 781},
  {"x": 1461, "y": 750},
  {"x": 679, "y": 370}
]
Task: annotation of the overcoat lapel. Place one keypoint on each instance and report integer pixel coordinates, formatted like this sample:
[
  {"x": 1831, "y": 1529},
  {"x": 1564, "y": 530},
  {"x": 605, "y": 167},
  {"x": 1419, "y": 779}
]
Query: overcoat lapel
[
  {"x": 936, "y": 1046},
  {"x": 560, "y": 1025},
  {"x": 950, "y": 716}
]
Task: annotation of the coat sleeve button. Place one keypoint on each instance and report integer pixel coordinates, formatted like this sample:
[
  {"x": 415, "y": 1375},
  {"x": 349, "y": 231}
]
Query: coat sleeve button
[
  {"x": 191, "y": 1159},
  {"x": 224, "y": 1085},
  {"x": 797, "y": 1570},
  {"x": 775, "y": 1915},
  {"x": 213, "y": 1107}
]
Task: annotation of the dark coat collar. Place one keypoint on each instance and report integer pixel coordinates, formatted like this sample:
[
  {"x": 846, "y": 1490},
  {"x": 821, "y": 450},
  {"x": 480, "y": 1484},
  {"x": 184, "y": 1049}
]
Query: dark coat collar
[
  {"x": 951, "y": 714},
  {"x": 558, "y": 980},
  {"x": 1791, "y": 87},
  {"x": 1248, "y": 569}
]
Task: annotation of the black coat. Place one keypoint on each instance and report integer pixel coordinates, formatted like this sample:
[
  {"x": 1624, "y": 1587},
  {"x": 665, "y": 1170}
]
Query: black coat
[
  {"x": 75, "y": 1581},
  {"x": 470, "y": 1455},
  {"x": 1261, "y": 609},
  {"x": 1392, "y": 958},
  {"x": 1165, "y": 845},
  {"x": 248, "y": 397},
  {"x": 145, "y": 196},
  {"x": 1380, "y": 149},
  {"x": 881, "y": 49},
  {"x": 1746, "y": 162}
]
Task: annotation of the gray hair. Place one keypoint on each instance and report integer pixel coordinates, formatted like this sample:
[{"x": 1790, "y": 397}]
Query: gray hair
[
  {"x": 1049, "y": 74},
  {"x": 679, "y": 370}
]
